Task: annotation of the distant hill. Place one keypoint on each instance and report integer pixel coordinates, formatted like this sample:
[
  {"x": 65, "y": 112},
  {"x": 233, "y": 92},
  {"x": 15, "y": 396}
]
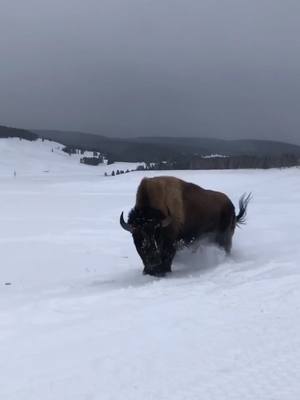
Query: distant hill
[
  {"x": 206, "y": 146},
  {"x": 7, "y": 132},
  {"x": 128, "y": 150},
  {"x": 45, "y": 158},
  {"x": 166, "y": 148}
]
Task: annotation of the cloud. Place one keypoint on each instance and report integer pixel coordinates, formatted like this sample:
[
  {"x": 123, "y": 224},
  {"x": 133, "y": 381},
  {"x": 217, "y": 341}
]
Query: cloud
[{"x": 134, "y": 67}]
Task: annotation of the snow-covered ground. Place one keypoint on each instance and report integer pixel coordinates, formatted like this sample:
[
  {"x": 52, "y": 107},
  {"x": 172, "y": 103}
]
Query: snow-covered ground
[
  {"x": 79, "y": 321},
  {"x": 40, "y": 158}
]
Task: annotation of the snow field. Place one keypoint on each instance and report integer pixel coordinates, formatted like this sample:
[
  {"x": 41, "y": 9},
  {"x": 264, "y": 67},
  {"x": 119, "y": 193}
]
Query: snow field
[{"x": 78, "y": 320}]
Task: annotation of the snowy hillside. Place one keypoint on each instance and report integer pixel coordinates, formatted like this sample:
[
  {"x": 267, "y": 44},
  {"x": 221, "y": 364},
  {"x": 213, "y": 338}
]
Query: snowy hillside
[
  {"x": 45, "y": 157},
  {"x": 79, "y": 321}
]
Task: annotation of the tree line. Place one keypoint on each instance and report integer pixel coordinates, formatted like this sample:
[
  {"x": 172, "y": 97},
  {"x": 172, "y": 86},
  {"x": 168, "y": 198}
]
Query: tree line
[{"x": 234, "y": 162}]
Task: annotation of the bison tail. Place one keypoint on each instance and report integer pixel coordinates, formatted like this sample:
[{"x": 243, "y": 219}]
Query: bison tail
[{"x": 243, "y": 204}]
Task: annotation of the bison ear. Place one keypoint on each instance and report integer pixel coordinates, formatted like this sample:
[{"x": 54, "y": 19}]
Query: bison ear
[
  {"x": 166, "y": 222},
  {"x": 124, "y": 224}
]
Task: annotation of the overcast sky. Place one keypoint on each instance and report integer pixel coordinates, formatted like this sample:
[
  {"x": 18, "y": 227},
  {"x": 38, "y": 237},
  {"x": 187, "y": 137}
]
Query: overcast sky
[{"x": 214, "y": 68}]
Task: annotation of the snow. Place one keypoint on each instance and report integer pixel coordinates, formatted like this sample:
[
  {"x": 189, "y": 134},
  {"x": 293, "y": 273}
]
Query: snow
[
  {"x": 78, "y": 320},
  {"x": 18, "y": 155},
  {"x": 214, "y": 156}
]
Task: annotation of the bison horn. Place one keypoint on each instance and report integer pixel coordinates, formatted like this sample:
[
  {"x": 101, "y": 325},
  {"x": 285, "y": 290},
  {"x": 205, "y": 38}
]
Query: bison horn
[
  {"x": 124, "y": 224},
  {"x": 166, "y": 222}
]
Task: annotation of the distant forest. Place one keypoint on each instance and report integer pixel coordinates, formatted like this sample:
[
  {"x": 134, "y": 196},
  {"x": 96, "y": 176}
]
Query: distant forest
[
  {"x": 194, "y": 153},
  {"x": 165, "y": 153},
  {"x": 184, "y": 152},
  {"x": 234, "y": 162},
  {"x": 7, "y": 132}
]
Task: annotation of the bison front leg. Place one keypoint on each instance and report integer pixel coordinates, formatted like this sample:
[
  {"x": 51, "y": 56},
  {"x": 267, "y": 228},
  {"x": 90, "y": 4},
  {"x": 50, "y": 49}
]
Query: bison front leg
[
  {"x": 164, "y": 267},
  {"x": 168, "y": 258}
]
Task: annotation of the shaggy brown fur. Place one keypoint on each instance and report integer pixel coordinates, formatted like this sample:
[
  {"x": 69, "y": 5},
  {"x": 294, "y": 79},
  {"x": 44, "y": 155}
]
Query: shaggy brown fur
[
  {"x": 191, "y": 207},
  {"x": 163, "y": 194},
  {"x": 170, "y": 212}
]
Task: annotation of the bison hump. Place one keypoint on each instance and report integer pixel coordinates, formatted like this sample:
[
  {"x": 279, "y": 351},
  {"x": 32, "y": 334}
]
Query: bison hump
[{"x": 164, "y": 194}]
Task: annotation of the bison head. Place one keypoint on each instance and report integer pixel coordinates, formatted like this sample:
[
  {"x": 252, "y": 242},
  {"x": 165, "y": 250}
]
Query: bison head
[{"x": 147, "y": 227}]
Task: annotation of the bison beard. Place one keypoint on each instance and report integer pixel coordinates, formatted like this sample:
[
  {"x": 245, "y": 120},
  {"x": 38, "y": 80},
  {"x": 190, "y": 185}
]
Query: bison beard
[{"x": 169, "y": 211}]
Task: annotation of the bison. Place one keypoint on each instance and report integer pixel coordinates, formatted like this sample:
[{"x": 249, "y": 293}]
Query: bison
[{"x": 169, "y": 212}]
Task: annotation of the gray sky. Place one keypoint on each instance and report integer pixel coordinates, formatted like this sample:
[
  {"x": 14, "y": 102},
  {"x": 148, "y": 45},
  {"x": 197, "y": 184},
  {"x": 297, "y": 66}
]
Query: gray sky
[{"x": 220, "y": 68}]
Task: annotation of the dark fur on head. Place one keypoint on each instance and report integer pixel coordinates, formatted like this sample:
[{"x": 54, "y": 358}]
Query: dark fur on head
[
  {"x": 149, "y": 240},
  {"x": 145, "y": 215}
]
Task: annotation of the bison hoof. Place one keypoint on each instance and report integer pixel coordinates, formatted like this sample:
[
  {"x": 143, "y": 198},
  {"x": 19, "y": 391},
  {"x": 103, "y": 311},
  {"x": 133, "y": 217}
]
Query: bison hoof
[{"x": 156, "y": 273}]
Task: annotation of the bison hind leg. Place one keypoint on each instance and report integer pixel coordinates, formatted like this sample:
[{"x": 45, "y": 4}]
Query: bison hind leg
[{"x": 224, "y": 240}]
